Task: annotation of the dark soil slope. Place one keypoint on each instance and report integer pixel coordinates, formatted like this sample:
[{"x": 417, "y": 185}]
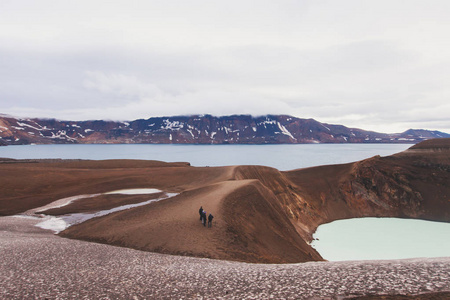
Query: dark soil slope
[{"x": 412, "y": 184}]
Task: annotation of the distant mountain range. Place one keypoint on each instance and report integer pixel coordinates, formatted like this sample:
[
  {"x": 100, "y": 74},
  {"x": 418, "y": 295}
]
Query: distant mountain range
[{"x": 198, "y": 129}]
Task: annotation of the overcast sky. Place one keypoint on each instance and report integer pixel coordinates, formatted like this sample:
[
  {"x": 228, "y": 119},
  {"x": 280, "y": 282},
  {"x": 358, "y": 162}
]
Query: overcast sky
[{"x": 379, "y": 65}]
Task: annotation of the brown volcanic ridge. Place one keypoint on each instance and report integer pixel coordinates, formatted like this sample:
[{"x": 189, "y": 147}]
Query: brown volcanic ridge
[{"x": 261, "y": 214}]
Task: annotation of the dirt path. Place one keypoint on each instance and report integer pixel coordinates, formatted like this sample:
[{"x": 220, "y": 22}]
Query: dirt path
[{"x": 36, "y": 264}]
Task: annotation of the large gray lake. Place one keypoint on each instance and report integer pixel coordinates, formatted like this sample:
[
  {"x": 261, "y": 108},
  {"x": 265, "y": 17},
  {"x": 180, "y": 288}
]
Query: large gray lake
[
  {"x": 282, "y": 157},
  {"x": 364, "y": 238}
]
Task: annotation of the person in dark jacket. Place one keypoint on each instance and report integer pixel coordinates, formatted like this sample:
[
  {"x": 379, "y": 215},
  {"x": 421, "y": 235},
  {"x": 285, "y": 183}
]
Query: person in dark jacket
[
  {"x": 210, "y": 218},
  {"x": 204, "y": 218},
  {"x": 200, "y": 211}
]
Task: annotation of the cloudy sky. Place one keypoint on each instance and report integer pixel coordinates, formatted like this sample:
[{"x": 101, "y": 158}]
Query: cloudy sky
[{"x": 378, "y": 65}]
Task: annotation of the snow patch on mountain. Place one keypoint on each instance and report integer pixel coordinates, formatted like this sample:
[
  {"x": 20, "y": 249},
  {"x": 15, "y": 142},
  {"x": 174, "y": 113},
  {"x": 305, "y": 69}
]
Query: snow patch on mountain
[{"x": 285, "y": 131}]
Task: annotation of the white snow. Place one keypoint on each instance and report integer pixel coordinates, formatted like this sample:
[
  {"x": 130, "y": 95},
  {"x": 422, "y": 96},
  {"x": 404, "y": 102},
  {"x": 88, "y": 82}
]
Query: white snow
[
  {"x": 61, "y": 134},
  {"x": 175, "y": 125},
  {"x": 63, "y": 202},
  {"x": 52, "y": 223},
  {"x": 326, "y": 127},
  {"x": 28, "y": 125},
  {"x": 18, "y": 128},
  {"x": 88, "y": 130},
  {"x": 285, "y": 131},
  {"x": 60, "y": 223},
  {"x": 134, "y": 191},
  {"x": 268, "y": 121}
]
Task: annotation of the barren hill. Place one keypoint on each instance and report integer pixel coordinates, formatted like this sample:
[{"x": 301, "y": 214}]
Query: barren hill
[{"x": 261, "y": 214}]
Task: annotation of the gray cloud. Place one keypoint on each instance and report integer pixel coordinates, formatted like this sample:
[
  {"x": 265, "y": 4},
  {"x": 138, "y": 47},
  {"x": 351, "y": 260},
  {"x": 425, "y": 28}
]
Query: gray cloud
[{"x": 375, "y": 65}]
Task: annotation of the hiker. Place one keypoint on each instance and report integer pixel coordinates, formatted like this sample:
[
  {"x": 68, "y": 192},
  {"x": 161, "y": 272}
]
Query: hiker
[
  {"x": 210, "y": 217},
  {"x": 200, "y": 211},
  {"x": 204, "y": 218}
]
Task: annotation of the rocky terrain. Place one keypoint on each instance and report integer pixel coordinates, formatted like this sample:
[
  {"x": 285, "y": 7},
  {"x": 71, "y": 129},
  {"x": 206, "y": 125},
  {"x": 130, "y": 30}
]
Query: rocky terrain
[
  {"x": 204, "y": 129},
  {"x": 37, "y": 264}
]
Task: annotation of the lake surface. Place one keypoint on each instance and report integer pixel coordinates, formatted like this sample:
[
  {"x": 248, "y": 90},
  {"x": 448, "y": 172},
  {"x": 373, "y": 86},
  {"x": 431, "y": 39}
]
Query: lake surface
[
  {"x": 282, "y": 157},
  {"x": 382, "y": 238}
]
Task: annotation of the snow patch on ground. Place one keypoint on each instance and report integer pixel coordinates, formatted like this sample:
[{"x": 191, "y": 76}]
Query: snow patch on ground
[
  {"x": 60, "y": 223},
  {"x": 134, "y": 191}
]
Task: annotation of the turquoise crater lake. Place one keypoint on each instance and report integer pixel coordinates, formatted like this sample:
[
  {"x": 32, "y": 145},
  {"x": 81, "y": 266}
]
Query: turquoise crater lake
[{"x": 382, "y": 238}]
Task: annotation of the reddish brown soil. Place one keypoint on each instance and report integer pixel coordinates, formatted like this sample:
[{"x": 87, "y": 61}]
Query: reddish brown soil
[
  {"x": 33, "y": 184},
  {"x": 246, "y": 226},
  {"x": 100, "y": 202},
  {"x": 261, "y": 214}
]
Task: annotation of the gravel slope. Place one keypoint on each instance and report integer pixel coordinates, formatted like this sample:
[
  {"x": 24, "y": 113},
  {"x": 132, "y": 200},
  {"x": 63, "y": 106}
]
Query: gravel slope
[{"x": 36, "y": 264}]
